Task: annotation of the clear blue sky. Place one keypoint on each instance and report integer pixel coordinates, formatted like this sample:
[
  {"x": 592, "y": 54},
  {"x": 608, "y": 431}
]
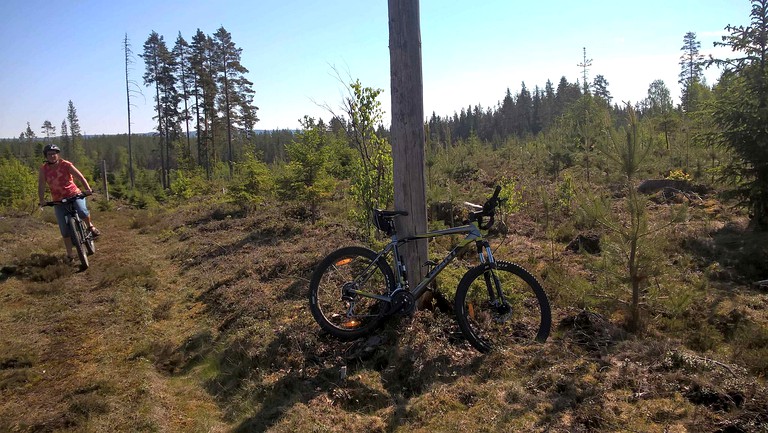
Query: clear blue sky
[{"x": 55, "y": 51}]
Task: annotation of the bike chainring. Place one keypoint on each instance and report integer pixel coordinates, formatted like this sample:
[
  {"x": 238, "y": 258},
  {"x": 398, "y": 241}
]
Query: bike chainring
[{"x": 403, "y": 303}]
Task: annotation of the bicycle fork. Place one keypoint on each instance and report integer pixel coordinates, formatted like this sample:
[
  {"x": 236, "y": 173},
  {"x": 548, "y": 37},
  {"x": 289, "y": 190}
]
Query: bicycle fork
[
  {"x": 82, "y": 235},
  {"x": 492, "y": 282}
]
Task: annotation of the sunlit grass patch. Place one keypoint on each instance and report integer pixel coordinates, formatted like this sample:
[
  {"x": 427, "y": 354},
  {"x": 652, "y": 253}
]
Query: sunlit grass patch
[
  {"x": 138, "y": 275},
  {"x": 751, "y": 348}
]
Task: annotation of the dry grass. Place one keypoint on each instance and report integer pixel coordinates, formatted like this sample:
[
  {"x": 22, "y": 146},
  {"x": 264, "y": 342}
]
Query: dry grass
[{"x": 196, "y": 320}]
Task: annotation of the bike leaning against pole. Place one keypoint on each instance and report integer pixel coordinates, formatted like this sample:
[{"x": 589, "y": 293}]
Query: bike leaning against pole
[
  {"x": 498, "y": 304},
  {"x": 81, "y": 237}
]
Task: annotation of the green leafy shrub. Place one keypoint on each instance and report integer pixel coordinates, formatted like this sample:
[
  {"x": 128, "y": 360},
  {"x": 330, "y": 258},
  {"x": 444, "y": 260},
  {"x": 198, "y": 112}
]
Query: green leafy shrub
[
  {"x": 18, "y": 184},
  {"x": 679, "y": 174}
]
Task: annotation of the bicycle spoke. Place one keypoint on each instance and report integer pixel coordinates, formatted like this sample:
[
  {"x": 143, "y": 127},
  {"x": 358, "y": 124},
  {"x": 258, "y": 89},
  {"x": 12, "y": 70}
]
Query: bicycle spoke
[{"x": 338, "y": 288}]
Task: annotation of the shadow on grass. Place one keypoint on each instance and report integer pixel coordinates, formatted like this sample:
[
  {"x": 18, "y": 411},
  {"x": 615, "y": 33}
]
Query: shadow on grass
[
  {"x": 43, "y": 268},
  {"x": 385, "y": 370},
  {"x": 732, "y": 253},
  {"x": 262, "y": 236}
]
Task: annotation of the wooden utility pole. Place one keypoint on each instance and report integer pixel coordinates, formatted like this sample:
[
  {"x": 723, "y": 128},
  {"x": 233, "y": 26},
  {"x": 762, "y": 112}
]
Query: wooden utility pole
[
  {"x": 104, "y": 183},
  {"x": 408, "y": 130}
]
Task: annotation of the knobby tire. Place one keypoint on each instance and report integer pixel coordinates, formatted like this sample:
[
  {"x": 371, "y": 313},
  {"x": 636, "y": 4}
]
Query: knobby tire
[
  {"x": 524, "y": 317},
  {"x": 348, "y": 316},
  {"x": 74, "y": 236}
]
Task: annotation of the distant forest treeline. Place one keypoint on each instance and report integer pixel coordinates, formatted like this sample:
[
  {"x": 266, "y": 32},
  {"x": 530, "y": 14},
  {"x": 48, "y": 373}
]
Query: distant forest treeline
[
  {"x": 520, "y": 115},
  {"x": 206, "y": 120}
]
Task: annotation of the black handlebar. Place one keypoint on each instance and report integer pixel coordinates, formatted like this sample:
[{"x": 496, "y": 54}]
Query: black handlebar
[
  {"x": 68, "y": 199},
  {"x": 489, "y": 210}
]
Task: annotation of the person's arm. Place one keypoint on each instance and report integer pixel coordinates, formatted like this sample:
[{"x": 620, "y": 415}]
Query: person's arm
[
  {"x": 41, "y": 187},
  {"x": 79, "y": 178}
]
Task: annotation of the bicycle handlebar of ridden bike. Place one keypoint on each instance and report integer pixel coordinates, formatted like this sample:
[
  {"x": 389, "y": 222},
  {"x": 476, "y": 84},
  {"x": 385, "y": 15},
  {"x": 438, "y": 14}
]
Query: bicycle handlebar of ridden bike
[{"x": 68, "y": 199}]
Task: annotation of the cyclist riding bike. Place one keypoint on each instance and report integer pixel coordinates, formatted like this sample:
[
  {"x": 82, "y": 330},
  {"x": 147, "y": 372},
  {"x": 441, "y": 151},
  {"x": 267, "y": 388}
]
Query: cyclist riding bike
[{"x": 59, "y": 175}]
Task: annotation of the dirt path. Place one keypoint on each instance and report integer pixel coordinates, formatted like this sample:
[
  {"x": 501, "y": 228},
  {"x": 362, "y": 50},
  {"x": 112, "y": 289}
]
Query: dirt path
[{"x": 76, "y": 347}]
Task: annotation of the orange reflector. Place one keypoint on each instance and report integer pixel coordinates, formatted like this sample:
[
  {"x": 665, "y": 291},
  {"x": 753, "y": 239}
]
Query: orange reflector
[
  {"x": 343, "y": 262},
  {"x": 471, "y": 311},
  {"x": 351, "y": 323}
]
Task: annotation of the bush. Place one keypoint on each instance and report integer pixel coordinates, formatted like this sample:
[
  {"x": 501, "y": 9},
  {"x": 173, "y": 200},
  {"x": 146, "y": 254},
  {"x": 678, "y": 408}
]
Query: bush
[
  {"x": 252, "y": 183},
  {"x": 751, "y": 348},
  {"x": 18, "y": 184}
]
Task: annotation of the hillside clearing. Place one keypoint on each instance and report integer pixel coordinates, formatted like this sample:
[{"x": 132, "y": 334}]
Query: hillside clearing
[{"x": 196, "y": 320}]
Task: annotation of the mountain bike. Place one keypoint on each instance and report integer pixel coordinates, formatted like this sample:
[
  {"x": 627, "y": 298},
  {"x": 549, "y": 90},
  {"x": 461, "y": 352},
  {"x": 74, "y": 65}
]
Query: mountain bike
[
  {"x": 81, "y": 237},
  {"x": 498, "y": 303}
]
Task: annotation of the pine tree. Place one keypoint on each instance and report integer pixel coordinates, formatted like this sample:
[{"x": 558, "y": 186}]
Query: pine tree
[
  {"x": 181, "y": 52},
  {"x": 160, "y": 66},
  {"x": 152, "y": 64},
  {"x": 631, "y": 238},
  {"x": 204, "y": 90},
  {"x": 691, "y": 70},
  {"x": 48, "y": 129},
  {"x": 236, "y": 92}
]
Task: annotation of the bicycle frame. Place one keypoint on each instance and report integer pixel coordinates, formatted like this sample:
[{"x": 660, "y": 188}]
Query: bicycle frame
[
  {"x": 81, "y": 239},
  {"x": 71, "y": 210},
  {"x": 473, "y": 235}
]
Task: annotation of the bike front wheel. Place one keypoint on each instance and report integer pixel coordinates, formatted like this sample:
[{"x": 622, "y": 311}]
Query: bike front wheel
[
  {"x": 502, "y": 307},
  {"x": 77, "y": 242},
  {"x": 87, "y": 236},
  {"x": 336, "y": 308}
]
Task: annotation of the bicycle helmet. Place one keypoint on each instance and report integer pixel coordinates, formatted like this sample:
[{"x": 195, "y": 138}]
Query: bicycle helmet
[{"x": 50, "y": 147}]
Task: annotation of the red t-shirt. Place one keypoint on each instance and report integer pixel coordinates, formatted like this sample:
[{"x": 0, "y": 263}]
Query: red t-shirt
[{"x": 60, "y": 180}]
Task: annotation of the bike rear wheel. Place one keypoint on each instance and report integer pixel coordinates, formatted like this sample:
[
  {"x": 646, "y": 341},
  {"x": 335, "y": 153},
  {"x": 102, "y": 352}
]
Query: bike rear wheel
[
  {"x": 75, "y": 237},
  {"x": 491, "y": 322},
  {"x": 344, "y": 314}
]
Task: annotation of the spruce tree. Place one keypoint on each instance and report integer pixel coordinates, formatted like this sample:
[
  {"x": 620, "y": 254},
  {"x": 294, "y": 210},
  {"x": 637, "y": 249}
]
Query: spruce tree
[
  {"x": 659, "y": 107},
  {"x": 600, "y": 89},
  {"x": 741, "y": 111},
  {"x": 64, "y": 140},
  {"x": 76, "y": 153}
]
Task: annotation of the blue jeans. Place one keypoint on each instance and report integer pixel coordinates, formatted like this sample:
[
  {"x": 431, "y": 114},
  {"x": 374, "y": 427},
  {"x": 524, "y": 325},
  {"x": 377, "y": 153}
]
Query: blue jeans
[{"x": 61, "y": 212}]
